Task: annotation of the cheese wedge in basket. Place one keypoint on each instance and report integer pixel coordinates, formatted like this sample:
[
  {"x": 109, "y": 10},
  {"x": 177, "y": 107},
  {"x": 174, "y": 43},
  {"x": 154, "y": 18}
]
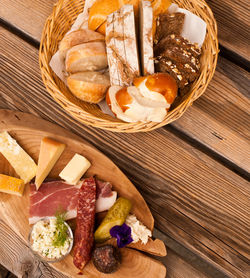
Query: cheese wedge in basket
[{"x": 22, "y": 163}]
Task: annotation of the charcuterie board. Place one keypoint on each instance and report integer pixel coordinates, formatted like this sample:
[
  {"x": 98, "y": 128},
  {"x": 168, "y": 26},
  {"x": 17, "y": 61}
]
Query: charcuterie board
[{"x": 28, "y": 130}]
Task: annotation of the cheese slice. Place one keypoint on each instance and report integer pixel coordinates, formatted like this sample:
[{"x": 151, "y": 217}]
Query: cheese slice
[
  {"x": 11, "y": 185},
  {"x": 74, "y": 170},
  {"x": 50, "y": 151},
  {"x": 22, "y": 163}
]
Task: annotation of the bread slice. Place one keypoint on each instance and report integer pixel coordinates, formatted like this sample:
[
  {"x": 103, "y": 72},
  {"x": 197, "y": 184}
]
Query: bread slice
[
  {"x": 89, "y": 86},
  {"x": 121, "y": 45},
  {"x": 146, "y": 38},
  {"x": 130, "y": 40},
  {"x": 78, "y": 37},
  {"x": 86, "y": 57},
  {"x": 110, "y": 44}
]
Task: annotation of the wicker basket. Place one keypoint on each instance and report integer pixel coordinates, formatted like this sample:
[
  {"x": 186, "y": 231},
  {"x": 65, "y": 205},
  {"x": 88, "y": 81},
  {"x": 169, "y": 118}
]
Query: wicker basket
[{"x": 64, "y": 15}]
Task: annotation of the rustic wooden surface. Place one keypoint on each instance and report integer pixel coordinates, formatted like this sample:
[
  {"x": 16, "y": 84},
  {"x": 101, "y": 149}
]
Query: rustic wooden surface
[
  {"x": 29, "y": 130},
  {"x": 199, "y": 164}
]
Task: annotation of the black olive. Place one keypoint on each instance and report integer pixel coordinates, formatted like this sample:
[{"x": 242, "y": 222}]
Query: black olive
[{"x": 106, "y": 258}]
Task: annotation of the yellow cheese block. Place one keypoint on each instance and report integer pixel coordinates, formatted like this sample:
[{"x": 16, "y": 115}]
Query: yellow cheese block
[
  {"x": 23, "y": 164},
  {"x": 11, "y": 185},
  {"x": 50, "y": 152},
  {"x": 74, "y": 170}
]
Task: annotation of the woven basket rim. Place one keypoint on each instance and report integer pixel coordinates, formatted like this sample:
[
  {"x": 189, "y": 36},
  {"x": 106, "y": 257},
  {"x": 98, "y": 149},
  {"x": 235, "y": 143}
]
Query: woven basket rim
[{"x": 119, "y": 126}]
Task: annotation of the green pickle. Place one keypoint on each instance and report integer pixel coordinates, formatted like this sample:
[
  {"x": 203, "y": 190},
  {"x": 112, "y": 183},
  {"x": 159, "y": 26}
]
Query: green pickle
[{"x": 116, "y": 215}]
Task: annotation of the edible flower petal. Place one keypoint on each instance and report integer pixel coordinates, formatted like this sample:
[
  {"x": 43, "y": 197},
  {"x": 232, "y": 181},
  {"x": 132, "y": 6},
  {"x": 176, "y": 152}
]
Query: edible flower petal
[{"x": 122, "y": 234}]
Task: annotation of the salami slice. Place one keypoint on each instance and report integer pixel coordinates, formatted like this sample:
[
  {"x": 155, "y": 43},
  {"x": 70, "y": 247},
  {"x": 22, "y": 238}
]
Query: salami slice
[{"x": 84, "y": 233}]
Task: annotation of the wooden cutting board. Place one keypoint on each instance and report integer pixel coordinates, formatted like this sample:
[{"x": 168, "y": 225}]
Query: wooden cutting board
[{"x": 28, "y": 130}]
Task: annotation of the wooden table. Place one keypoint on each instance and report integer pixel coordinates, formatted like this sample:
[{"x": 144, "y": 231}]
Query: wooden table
[{"x": 192, "y": 173}]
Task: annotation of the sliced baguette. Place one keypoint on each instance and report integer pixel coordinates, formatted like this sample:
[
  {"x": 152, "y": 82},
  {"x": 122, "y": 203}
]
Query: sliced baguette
[
  {"x": 146, "y": 37},
  {"x": 86, "y": 57},
  {"x": 89, "y": 86},
  {"x": 78, "y": 37}
]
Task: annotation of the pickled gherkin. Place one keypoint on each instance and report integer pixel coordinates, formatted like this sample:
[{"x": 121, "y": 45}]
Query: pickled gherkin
[{"x": 116, "y": 215}]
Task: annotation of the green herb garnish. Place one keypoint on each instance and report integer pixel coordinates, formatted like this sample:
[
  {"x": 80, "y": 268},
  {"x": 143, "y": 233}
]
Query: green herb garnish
[{"x": 61, "y": 234}]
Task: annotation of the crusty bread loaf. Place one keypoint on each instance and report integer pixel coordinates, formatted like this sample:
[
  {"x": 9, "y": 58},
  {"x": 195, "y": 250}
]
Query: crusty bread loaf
[
  {"x": 102, "y": 8},
  {"x": 86, "y": 57},
  {"x": 146, "y": 37},
  {"x": 122, "y": 53},
  {"x": 78, "y": 37},
  {"x": 89, "y": 86}
]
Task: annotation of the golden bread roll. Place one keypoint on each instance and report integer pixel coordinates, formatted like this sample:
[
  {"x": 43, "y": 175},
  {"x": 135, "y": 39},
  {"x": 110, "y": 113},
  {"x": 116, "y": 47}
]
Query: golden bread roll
[
  {"x": 148, "y": 100},
  {"x": 78, "y": 37},
  {"x": 86, "y": 57},
  {"x": 162, "y": 83},
  {"x": 89, "y": 86},
  {"x": 102, "y": 8}
]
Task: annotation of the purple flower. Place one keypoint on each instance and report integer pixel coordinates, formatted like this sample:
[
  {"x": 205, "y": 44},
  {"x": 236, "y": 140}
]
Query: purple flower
[{"x": 122, "y": 234}]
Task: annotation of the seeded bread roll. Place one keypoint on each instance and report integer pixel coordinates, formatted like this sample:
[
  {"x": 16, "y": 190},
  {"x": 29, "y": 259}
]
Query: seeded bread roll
[
  {"x": 78, "y": 37},
  {"x": 89, "y": 86},
  {"x": 86, "y": 57}
]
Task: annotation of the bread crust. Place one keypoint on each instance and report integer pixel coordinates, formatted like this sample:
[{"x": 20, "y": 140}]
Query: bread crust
[
  {"x": 102, "y": 8},
  {"x": 86, "y": 57},
  {"x": 78, "y": 37},
  {"x": 89, "y": 86}
]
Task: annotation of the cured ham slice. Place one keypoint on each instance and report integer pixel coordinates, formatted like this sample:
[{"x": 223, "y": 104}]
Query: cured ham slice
[
  {"x": 85, "y": 221},
  {"x": 57, "y": 196},
  {"x": 52, "y": 197}
]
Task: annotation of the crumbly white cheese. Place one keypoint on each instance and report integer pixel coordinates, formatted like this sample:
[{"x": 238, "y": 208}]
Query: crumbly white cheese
[
  {"x": 43, "y": 235},
  {"x": 138, "y": 230}
]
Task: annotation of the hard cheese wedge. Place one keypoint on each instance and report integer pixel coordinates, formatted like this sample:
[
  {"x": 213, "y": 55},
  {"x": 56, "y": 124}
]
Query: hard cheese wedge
[
  {"x": 74, "y": 170},
  {"x": 50, "y": 151},
  {"x": 23, "y": 164},
  {"x": 11, "y": 185}
]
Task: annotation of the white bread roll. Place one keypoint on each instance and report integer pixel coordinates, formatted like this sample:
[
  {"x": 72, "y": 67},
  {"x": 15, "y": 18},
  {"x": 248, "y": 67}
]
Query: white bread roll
[
  {"x": 89, "y": 86},
  {"x": 86, "y": 57},
  {"x": 78, "y": 37}
]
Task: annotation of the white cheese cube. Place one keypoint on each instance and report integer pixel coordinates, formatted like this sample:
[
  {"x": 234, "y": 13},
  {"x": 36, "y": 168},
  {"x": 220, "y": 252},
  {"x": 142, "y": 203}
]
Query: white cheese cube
[{"x": 74, "y": 170}]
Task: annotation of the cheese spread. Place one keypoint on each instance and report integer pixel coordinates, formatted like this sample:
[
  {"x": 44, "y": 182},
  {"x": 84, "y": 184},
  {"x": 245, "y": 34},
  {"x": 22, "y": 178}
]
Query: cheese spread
[
  {"x": 43, "y": 235},
  {"x": 138, "y": 230}
]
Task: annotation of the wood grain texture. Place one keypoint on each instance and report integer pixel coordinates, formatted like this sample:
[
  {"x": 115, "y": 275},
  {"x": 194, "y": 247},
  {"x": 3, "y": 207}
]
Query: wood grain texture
[
  {"x": 27, "y": 265},
  {"x": 232, "y": 18},
  {"x": 233, "y": 24},
  {"x": 220, "y": 119},
  {"x": 29, "y": 131},
  {"x": 194, "y": 199},
  {"x": 224, "y": 108},
  {"x": 16, "y": 256}
]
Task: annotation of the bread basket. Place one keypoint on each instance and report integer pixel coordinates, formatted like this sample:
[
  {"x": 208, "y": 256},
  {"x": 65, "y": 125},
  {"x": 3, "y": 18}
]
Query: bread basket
[{"x": 60, "y": 21}]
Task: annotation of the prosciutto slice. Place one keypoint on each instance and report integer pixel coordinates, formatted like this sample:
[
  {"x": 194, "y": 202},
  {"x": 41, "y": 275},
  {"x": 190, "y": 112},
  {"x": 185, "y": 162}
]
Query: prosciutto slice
[
  {"x": 52, "y": 197},
  {"x": 57, "y": 196}
]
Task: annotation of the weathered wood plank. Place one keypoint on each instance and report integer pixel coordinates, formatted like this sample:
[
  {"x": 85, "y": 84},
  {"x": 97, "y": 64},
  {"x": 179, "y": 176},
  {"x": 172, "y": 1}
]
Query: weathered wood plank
[
  {"x": 202, "y": 204},
  {"x": 232, "y": 18},
  {"x": 233, "y": 24},
  {"x": 220, "y": 119}
]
